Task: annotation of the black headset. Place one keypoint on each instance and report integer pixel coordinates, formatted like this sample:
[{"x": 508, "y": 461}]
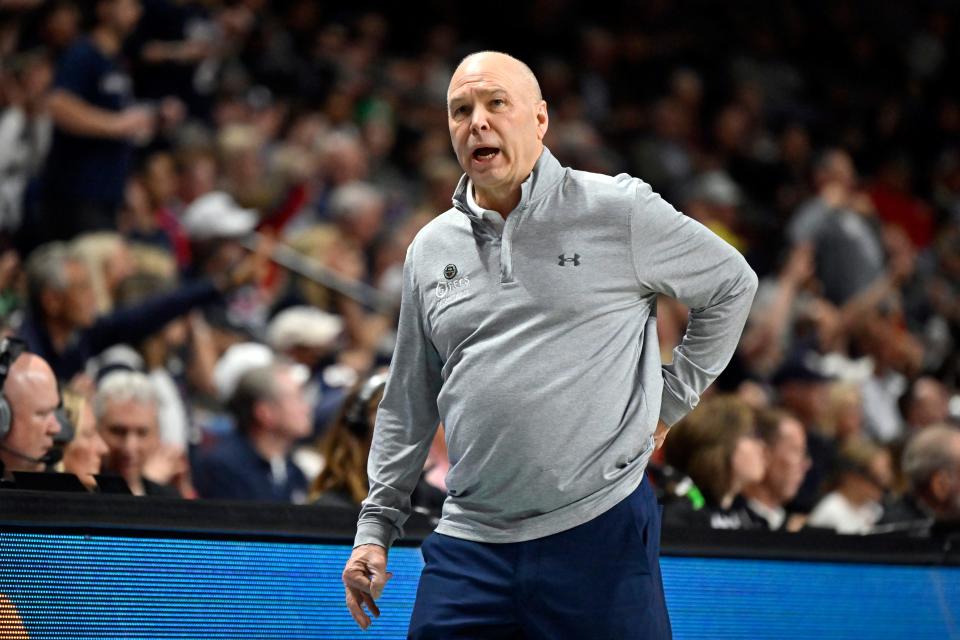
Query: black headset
[
  {"x": 356, "y": 416},
  {"x": 10, "y": 350}
]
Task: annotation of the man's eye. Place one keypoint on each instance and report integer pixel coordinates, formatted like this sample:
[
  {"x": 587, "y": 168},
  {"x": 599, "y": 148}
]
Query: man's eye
[
  {"x": 459, "y": 111},
  {"x": 498, "y": 102}
]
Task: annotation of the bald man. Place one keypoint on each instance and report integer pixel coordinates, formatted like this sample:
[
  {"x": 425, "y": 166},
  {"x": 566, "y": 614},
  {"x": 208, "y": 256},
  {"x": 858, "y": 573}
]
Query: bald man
[
  {"x": 32, "y": 395},
  {"x": 528, "y": 327}
]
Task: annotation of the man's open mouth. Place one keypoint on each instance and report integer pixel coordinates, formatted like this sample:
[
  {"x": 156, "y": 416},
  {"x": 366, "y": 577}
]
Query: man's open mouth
[{"x": 485, "y": 154}]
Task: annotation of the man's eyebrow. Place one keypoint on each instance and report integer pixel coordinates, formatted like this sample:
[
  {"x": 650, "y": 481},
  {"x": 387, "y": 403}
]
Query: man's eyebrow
[{"x": 459, "y": 95}]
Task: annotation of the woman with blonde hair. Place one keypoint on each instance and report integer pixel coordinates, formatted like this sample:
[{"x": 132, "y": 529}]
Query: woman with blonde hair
[
  {"x": 109, "y": 261},
  {"x": 84, "y": 454}
]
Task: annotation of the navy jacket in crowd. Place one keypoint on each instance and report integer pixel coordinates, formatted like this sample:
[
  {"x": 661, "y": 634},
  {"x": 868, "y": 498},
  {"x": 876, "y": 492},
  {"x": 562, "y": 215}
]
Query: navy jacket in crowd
[
  {"x": 128, "y": 325},
  {"x": 234, "y": 470}
]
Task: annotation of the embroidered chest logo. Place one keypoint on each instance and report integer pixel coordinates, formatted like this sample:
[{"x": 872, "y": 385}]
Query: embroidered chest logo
[
  {"x": 564, "y": 260},
  {"x": 450, "y": 287}
]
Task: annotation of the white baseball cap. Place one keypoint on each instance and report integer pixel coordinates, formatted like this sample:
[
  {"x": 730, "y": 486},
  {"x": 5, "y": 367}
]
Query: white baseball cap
[
  {"x": 303, "y": 325},
  {"x": 216, "y": 215},
  {"x": 243, "y": 357}
]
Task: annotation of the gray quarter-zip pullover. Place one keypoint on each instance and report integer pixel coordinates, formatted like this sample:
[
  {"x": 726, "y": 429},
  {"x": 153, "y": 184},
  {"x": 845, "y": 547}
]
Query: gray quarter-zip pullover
[{"x": 534, "y": 341}]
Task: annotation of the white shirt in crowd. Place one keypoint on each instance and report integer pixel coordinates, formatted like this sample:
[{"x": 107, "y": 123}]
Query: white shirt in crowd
[{"x": 834, "y": 511}]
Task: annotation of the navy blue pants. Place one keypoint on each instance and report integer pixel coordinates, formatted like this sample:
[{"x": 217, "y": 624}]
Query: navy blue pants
[{"x": 599, "y": 580}]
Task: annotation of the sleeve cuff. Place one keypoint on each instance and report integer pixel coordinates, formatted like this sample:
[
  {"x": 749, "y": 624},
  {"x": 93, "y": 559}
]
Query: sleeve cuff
[
  {"x": 672, "y": 409},
  {"x": 379, "y": 533}
]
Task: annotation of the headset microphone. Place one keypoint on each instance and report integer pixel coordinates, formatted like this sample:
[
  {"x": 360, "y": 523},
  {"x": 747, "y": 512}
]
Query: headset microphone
[
  {"x": 356, "y": 416},
  {"x": 51, "y": 457}
]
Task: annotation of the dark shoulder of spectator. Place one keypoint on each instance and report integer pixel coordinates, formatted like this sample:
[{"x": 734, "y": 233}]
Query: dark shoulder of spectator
[
  {"x": 683, "y": 512},
  {"x": 151, "y": 488},
  {"x": 336, "y": 498}
]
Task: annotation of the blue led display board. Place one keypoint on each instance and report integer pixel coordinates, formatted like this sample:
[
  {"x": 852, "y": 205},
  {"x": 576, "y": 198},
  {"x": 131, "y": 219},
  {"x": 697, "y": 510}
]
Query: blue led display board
[{"x": 98, "y": 586}]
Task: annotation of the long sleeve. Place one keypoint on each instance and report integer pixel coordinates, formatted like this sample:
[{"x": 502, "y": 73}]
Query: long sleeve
[
  {"x": 134, "y": 323},
  {"x": 679, "y": 257},
  {"x": 406, "y": 422}
]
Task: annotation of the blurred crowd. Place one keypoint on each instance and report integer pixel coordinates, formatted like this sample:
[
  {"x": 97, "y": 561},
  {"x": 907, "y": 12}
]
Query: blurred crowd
[{"x": 156, "y": 154}]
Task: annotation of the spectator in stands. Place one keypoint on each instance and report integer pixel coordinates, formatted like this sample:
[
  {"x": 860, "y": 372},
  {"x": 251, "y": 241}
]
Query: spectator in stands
[
  {"x": 311, "y": 337},
  {"x": 896, "y": 355},
  {"x": 840, "y": 222},
  {"x": 925, "y": 402},
  {"x": 864, "y": 474},
  {"x": 712, "y": 199},
  {"x": 216, "y": 226},
  {"x": 255, "y": 463},
  {"x": 25, "y": 131},
  {"x": 345, "y": 447},
  {"x": 109, "y": 262},
  {"x": 804, "y": 391},
  {"x": 96, "y": 125},
  {"x": 83, "y": 455},
  {"x": 780, "y": 300},
  {"x": 358, "y": 209},
  {"x": 718, "y": 447},
  {"x": 63, "y": 326},
  {"x": 931, "y": 463},
  {"x": 787, "y": 464},
  {"x": 160, "y": 354},
  {"x": 162, "y": 226},
  {"x": 28, "y": 422},
  {"x": 125, "y": 406},
  {"x": 845, "y": 419}
]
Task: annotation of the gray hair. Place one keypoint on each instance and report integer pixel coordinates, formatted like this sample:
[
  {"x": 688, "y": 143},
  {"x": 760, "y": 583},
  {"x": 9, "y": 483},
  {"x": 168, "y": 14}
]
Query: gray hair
[
  {"x": 123, "y": 386},
  {"x": 46, "y": 269},
  {"x": 353, "y": 197},
  {"x": 257, "y": 384},
  {"x": 928, "y": 452}
]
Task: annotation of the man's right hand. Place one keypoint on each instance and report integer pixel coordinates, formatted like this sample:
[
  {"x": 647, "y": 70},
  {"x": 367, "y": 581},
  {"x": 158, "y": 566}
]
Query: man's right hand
[
  {"x": 364, "y": 578},
  {"x": 138, "y": 123}
]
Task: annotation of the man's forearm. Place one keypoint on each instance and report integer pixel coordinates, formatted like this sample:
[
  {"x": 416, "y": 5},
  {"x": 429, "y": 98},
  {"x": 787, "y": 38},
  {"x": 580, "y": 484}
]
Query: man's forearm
[{"x": 78, "y": 117}]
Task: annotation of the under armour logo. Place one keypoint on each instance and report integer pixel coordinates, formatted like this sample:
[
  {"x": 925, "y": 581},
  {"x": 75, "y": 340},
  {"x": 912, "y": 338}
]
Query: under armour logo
[{"x": 575, "y": 260}]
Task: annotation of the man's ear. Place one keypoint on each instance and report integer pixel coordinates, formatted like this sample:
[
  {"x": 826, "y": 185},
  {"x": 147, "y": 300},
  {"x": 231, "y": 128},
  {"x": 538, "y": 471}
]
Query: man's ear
[
  {"x": 940, "y": 486},
  {"x": 543, "y": 120},
  {"x": 51, "y": 302},
  {"x": 264, "y": 413}
]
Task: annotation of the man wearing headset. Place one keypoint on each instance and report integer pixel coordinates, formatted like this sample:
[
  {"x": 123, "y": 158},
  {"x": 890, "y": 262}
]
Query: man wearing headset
[{"x": 28, "y": 421}]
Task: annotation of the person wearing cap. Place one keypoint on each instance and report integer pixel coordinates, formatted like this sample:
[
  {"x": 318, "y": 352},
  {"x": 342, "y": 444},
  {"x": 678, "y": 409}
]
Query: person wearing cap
[
  {"x": 216, "y": 227},
  {"x": 215, "y": 224},
  {"x": 804, "y": 391},
  {"x": 309, "y": 336},
  {"x": 713, "y": 199},
  {"x": 255, "y": 463}
]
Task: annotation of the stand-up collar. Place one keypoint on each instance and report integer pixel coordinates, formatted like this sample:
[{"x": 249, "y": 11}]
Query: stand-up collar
[{"x": 546, "y": 173}]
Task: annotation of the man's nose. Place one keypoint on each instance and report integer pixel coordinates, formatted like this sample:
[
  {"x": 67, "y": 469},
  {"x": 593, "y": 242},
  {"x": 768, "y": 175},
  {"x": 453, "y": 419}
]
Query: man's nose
[
  {"x": 130, "y": 444},
  {"x": 478, "y": 121},
  {"x": 53, "y": 425}
]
